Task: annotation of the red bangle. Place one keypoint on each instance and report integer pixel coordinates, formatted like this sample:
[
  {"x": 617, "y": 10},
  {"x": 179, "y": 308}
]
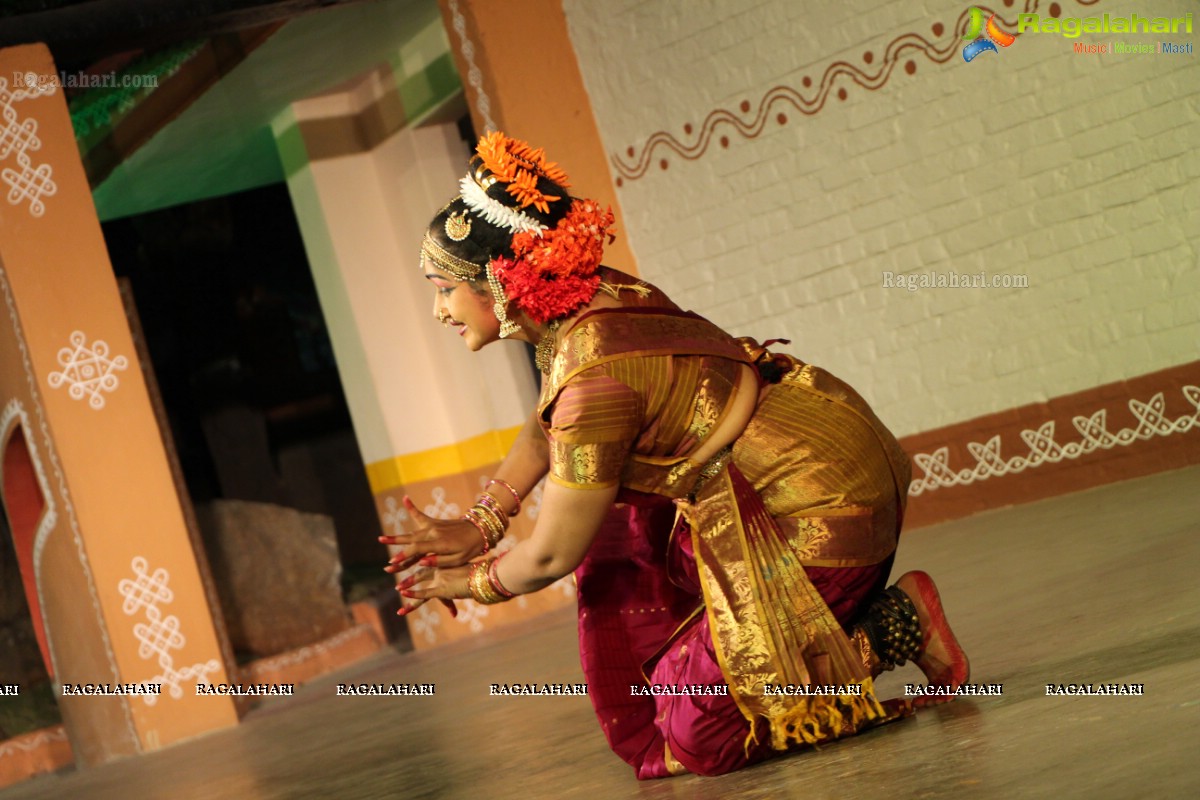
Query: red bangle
[
  {"x": 494, "y": 579},
  {"x": 508, "y": 486}
]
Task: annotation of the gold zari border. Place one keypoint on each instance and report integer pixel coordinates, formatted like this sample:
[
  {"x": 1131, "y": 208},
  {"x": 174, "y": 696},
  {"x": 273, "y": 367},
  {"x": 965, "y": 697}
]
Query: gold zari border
[{"x": 770, "y": 625}]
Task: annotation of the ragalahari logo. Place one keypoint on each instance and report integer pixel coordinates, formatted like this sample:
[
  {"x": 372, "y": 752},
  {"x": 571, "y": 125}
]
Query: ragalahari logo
[{"x": 983, "y": 37}]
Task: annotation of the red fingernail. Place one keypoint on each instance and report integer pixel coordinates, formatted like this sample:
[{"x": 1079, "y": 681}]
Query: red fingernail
[
  {"x": 406, "y": 593},
  {"x": 428, "y": 561},
  {"x": 402, "y": 612}
]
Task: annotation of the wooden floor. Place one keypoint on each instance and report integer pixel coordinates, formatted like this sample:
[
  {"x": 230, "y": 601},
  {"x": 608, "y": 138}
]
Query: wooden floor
[{"x": 1097, "y": 587}]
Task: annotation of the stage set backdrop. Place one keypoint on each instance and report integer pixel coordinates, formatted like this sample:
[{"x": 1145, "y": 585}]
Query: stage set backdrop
[{"x": 988, "y": 231}]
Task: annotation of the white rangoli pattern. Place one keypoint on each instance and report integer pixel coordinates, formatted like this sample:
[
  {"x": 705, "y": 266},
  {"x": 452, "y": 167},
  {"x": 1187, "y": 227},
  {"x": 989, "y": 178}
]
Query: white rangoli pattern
[
  {"x": 88, "y": 371},
  {"x": 67, "y": 508},
  {"x": 474, "y": 76},
  {"x": 1043, "y": 449},
  {"x": 162, "y": 635},
  {"x": 441, "y": 508},
  {"x": 424, "y": 622},
  {"x": 18, "y": 137},
  {"x": 394, "y": 516},
  {"x": 32, "y": 741},
  {"x": 471, "y": 614}
]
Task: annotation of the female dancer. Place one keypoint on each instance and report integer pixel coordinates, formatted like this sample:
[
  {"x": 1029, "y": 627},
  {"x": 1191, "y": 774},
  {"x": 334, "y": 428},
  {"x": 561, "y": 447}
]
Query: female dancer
[{"x": 730, "y": 513}]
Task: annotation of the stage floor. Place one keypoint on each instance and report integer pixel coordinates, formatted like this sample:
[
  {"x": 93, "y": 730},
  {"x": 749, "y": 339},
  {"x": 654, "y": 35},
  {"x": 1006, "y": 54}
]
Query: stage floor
[{"x": 1095, "y": 587}]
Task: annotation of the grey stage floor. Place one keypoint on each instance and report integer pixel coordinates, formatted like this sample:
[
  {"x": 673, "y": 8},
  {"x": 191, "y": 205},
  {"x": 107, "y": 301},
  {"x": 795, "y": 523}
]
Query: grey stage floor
[{"x": 1094, "y": 587}]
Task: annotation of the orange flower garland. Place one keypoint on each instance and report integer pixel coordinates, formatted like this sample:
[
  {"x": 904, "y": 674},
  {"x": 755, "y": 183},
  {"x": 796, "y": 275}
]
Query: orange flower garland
[{"x": 519, "y": 165}]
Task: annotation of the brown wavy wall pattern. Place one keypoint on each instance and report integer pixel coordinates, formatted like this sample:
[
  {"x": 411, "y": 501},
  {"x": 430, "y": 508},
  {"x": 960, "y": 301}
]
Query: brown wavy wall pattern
[{"x": 775, "y": 102}]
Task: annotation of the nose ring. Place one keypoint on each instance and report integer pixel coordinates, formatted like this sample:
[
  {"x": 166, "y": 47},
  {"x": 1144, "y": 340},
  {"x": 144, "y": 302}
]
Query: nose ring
[{"x": 442, "y": 317}]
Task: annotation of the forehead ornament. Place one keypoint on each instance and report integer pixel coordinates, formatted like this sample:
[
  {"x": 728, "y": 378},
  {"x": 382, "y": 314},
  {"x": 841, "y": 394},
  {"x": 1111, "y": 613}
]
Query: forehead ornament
[{"x": 458, "y": 226}]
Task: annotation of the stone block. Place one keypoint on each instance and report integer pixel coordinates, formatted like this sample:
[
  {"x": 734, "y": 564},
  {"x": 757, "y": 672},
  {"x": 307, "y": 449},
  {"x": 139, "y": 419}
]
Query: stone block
[{"x": 277, "y": 573}]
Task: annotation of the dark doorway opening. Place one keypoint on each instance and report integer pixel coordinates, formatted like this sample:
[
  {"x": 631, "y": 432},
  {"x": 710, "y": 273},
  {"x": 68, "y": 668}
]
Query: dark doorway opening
[{"x": 243, "y": 361}]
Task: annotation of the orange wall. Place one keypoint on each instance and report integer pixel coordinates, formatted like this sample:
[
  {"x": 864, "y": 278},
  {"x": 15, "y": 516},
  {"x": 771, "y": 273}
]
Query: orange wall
[{"x": 69, "y": 363}]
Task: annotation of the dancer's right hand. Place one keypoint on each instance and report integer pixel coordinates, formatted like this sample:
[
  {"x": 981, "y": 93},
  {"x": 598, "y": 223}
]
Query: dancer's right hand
[{"x": 433, "y": 542}]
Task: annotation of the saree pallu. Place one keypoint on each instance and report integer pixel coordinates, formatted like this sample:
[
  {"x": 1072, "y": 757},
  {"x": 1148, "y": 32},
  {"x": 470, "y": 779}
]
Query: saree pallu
[{"x": 737, "y": 580}]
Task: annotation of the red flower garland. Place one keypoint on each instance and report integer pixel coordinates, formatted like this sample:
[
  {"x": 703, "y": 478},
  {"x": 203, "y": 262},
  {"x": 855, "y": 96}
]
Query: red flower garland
[{"x": 555, "y": 271}]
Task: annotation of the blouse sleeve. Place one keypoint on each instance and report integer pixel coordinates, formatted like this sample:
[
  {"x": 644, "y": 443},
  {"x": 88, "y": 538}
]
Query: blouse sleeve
[{"x": 593, "y": 424}]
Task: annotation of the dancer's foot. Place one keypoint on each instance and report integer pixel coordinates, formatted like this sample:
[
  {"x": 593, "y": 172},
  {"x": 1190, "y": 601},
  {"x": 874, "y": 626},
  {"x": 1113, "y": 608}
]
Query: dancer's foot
[{"x": 941, "y": 658}]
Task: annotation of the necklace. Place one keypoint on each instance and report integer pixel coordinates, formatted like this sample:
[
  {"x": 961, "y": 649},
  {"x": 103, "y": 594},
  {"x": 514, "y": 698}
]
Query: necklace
[{"x": 543, "y": 354}]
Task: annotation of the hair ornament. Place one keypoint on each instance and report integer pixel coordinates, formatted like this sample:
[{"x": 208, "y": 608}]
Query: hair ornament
[
  {"x": 555, "y": 272},
  {"x": 458, "y": 227},
  {"x": 460, "y": 268},
  {"x": 493, "y": 211},
  {"x": 516, "y": 163}
]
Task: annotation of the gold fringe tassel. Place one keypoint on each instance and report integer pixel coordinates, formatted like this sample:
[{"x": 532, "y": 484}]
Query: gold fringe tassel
[
  {"x": 823, "y": 718},
  {"x": 613, "y": 289}
]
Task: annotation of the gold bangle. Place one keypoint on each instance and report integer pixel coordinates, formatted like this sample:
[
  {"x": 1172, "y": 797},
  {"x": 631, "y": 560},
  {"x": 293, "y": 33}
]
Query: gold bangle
[
  {"x": 491, "y": 516},
  {"x": 481, "y": 588},
  {"x": 491, "y": 534},
  {"x": 490, "y": 520},
  {"x": 487, "y": 542},
  {"x": 488, "y": 501}
]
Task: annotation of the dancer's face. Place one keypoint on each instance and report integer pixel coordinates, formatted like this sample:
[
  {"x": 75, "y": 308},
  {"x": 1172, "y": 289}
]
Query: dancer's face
[{"x": 464, "y": 309}]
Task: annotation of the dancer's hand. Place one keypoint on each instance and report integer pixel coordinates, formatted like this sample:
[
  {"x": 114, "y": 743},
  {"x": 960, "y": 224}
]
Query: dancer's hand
[
  {"x": 423, "y": 583},
  {"x": 433, "y": 542}
]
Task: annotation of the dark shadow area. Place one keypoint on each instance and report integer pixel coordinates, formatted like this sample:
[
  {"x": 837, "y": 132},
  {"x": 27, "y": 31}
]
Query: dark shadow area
[{"x": 251, "y": 393}]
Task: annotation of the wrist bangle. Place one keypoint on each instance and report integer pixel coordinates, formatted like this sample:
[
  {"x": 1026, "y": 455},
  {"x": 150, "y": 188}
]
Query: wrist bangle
[
  {"x": 493, "y": 505},
  {"x": 494, "y": 579},
  {"x": 479, "y": 527},
  {"x": 480, "y": 587},
  {"x": 511, "y": 490},
  {"x": 487, "y": 524}
]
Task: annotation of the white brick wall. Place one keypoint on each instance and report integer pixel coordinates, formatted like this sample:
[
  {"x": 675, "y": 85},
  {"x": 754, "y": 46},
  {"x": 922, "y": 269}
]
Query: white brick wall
[{"x": 1077, "y": 170}]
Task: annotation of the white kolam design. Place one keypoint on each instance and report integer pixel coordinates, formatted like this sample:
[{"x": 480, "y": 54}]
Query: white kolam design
[
  {"x": 394, "y": 516},
  {"x": 18, "y": 138},
  {"x": 441, "y": 508},
  {"x": 159, "y": 634},
  {"x": 471, "y": 614},
  {"x": 474, "y": 77},
  {"x": 1044, "y": 449},
  {"x": 68, "y": 512},
  {"x": 425, "y": 621},
  {"x": 566, "y": 586},
  {"x": 264, "y": 666},
  {"x": 27, "y": 743},
  {"x": 87, "y": 371}
]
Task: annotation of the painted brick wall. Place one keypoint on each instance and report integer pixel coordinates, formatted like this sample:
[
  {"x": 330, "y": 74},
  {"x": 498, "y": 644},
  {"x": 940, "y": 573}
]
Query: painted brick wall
[{"x": 1079, "y": 171}]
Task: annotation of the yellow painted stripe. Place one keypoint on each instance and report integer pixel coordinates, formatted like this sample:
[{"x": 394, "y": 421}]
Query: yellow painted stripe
[{"x": 440, "y": 462}]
